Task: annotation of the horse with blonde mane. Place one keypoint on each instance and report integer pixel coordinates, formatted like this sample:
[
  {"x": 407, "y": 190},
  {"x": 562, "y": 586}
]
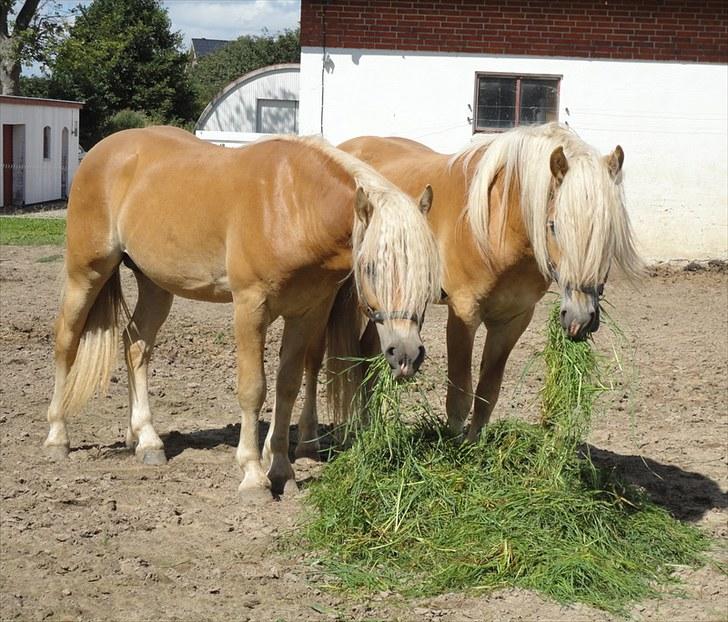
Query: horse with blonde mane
[
  {"x": 274, "y": 228},
  {"x": 514, "y": 211}
]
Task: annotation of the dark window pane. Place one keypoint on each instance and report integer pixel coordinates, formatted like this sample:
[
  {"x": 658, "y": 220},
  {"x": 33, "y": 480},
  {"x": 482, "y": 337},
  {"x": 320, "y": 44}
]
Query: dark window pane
[
  {"x": 496, "y": 103},
  {"x": 538, "y": 101},
  {"x": 46, "y": 142}
]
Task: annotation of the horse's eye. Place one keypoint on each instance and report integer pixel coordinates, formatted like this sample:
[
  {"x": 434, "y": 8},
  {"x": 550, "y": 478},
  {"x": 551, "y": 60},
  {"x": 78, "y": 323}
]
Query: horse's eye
[{"x": 552, "y": 227}]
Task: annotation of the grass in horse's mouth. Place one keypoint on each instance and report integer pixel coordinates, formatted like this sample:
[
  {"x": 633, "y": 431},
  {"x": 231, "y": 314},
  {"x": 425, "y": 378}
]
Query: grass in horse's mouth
[{"x": 408, "y": 508}]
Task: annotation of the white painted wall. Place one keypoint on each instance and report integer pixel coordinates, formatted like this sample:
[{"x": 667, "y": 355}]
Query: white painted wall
[
  {"x": 670, "y": 119},
  {"x": 42, "y": 176},
  {"x": 229, "y": 139},
  {"x": 235, "y": 109}
]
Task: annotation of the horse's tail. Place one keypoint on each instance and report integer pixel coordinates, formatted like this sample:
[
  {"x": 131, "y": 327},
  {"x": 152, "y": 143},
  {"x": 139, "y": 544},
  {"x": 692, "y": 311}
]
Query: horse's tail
[
  {"x": 343, "y": 362},
  {"x": 97, "y": 348}
]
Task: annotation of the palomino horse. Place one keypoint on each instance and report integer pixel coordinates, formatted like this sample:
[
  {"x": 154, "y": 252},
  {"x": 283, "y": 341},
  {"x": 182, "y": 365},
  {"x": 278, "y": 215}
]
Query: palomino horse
[
  {"x": 514, "y": 211},
  {"x": 270, "y": 228}
]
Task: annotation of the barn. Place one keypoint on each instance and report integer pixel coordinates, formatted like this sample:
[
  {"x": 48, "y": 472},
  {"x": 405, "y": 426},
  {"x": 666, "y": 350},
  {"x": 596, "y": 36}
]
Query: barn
[
  {"x": 650, "y": 76},
  {"x": 262, "y": 102},
  {"x": 39, "y": 146}
]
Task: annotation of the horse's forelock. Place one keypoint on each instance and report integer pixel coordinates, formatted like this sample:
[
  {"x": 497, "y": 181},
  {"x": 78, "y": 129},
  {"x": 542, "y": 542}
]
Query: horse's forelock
[
  {"x": 591, "y": 220},
  {"x": 396, "y": 246}
]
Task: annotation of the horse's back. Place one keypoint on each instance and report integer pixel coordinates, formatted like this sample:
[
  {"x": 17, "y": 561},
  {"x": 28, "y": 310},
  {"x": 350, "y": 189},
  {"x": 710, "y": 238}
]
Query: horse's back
[{"x": 377, "y": 150}]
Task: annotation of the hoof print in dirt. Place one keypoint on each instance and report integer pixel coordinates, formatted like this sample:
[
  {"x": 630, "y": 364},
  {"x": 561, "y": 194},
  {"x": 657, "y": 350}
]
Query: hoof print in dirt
[
  {"x": 255, "y": 496},
  {"x": 56, "y": 453}
]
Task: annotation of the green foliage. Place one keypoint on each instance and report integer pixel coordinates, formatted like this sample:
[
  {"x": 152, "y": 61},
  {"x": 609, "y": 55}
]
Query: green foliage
[
  {"x": 32, "y": 231},
  {"x": 122, "y": 54},
  {"x": 35, "y": 86},
  {"x": 29, "y": 32},
  {"x": 212, "y": 72},
  {"x": 127, "y": 119},
  {"x": 408, "y": 508}
]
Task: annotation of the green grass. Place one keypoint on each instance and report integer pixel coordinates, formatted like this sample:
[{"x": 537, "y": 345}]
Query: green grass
[
  {"x": 407, "y": 508},
  {"x": 32, "y": 231}
]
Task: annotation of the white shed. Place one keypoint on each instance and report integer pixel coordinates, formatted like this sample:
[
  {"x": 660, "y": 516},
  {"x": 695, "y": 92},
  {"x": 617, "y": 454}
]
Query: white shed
[
  {"x": 262, "y": 102},
  {"x": 39, "y": 146}
]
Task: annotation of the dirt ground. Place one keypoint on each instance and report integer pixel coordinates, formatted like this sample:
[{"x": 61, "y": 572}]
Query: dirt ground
[{"x": 101, "y": 537}]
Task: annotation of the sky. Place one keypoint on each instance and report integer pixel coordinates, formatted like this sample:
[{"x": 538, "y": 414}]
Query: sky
[
  {"x": 224, "y": 19},
  {"x": 230, "y": 19}
]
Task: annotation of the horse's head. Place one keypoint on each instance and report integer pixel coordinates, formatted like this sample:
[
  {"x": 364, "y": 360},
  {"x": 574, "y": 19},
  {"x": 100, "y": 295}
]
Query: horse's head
[
  {"x": 397, "y": 273},
  {"x": 586, "y": 228}
]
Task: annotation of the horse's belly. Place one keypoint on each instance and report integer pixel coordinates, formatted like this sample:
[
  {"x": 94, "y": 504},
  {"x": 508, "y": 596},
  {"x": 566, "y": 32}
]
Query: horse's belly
[{"x": 190, "y": 280}]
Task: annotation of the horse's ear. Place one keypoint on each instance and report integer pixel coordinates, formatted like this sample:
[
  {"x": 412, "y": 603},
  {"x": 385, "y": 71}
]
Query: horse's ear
[
  {"x": 559, "y": 164},
  {"x": 426, "y": 200},
  {"x": 362, "y": 206},
  {"x": 615, "y": 161}
]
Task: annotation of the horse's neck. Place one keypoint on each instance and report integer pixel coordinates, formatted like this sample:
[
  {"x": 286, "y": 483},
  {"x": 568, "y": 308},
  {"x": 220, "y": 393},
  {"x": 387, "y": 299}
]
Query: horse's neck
[{"x": 508, "y": 250}]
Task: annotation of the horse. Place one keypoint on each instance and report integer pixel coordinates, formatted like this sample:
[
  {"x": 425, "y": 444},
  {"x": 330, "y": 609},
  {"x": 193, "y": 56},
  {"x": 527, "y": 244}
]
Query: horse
[
  {"x": 275, "y": 228},
  {"x": 514, "y": 212}
]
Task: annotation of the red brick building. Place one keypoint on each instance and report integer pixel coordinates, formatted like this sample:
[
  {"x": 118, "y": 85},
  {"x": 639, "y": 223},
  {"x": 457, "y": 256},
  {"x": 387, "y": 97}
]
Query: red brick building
[{"x": 652, "y": 76}]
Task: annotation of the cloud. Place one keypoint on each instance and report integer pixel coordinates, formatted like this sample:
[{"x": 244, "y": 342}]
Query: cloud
[{"x": 233, "y": 18}]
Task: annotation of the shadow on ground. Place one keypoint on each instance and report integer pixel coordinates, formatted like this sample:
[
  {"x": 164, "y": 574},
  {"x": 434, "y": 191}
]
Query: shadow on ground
[{"x": 685, "y": 494}]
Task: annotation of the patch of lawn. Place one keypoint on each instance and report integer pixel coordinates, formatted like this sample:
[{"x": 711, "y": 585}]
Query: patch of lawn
[{"x": 32, "y": 231}]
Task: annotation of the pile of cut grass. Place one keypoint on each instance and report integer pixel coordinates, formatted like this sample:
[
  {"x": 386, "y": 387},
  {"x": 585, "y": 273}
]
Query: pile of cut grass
[
  {"x": 32, "y": 231},
  {"x": 407, "y": 508}
]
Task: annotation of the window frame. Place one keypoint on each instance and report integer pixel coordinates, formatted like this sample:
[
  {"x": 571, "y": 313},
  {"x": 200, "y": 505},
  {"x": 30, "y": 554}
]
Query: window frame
[
  {"x": 268, "y": 100},
  {"x": 517, "y": 112},
  {"x": 47, "y": 142}
]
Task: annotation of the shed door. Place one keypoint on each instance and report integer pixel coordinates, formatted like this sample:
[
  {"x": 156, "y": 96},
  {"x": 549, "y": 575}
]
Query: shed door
[
  {"x": 277, "y": 116},
  {"x": 7, "y": 165}
]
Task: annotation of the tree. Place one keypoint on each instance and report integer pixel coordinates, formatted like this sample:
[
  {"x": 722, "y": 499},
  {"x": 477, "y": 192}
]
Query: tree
[
  {"x": 28, "y": 35},
  {"x": 35, "y": 86},
  {"x": 245, "y": 54},
  {"x": 122, "y": 55}
]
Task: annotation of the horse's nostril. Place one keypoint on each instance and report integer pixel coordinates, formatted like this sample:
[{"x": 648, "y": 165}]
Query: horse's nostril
[
  {"x": 563, "y": 313},
  {"x": 390, "y": 352}
]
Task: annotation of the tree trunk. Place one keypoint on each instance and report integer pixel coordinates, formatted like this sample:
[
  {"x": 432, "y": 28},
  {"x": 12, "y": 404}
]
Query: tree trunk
[{"x": 9, "y": 66}]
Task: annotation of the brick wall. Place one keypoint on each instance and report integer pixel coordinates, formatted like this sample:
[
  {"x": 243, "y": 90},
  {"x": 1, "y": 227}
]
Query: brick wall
[{"x": 662, "y": 30}]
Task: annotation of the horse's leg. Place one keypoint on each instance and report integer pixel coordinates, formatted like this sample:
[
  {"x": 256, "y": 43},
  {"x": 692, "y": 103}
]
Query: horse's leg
[
  {"x": 251, "y": 323},
  {"x": 460, "y": 337},
  {"x": 151, "y": 310},
  {"x": 308, "y": 444},
  {"x": 498, "y": 345},
  {"x": 81, "y": 289},
  {"x": 296, "y": 335}
]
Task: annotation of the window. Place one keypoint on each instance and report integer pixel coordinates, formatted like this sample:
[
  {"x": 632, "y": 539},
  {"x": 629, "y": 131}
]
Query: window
[
  {"x": 47, "y": 142},
  {"x": 503, "y": 101},
  {"x": 277, "y": 116}
]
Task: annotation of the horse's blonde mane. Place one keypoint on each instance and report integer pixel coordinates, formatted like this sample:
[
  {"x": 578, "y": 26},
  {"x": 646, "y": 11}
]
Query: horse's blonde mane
[
  {"x": 397, "y": 241},
  {"x": 591, "y": 223}
]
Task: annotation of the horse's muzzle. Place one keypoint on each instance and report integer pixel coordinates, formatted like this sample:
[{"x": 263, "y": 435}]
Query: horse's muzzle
[{"x": 580, "y": 321}]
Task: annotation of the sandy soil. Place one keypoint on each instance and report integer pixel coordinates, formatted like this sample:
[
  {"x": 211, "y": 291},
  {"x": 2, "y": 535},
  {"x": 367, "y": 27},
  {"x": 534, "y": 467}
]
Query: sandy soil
[{"x": 101, "y": 537}]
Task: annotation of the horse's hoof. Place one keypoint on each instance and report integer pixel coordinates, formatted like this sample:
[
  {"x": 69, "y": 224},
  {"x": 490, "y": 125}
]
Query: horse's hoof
[
  {"x": 152, "y": 457},
  {"x": 255, "y": 495},
  {"x": 56, "y": 453}
]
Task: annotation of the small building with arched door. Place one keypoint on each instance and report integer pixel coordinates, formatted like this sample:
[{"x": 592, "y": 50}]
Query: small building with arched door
[
  {"x": 259, "y": 103},
  {"x": 39, "y": 147}
]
